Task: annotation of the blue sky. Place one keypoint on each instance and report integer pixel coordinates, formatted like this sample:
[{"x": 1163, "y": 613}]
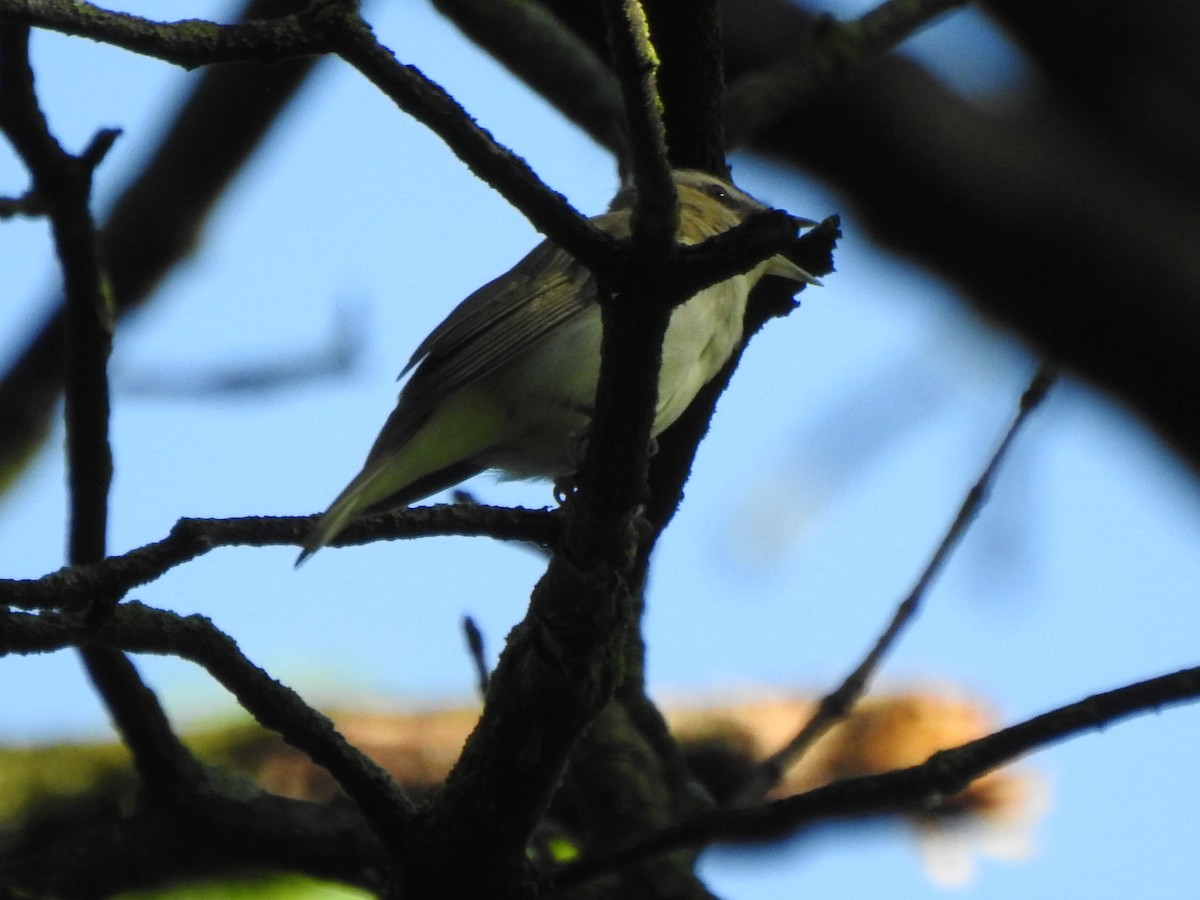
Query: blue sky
[{"x": 1081, "y": 574}]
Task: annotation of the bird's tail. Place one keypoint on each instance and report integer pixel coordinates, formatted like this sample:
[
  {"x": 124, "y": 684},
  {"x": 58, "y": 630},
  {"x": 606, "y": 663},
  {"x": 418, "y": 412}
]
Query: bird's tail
[{"x": 349, "y": 503}]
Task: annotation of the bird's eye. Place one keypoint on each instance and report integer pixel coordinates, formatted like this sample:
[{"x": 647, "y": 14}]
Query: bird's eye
[{"x": 716, "y": 191}]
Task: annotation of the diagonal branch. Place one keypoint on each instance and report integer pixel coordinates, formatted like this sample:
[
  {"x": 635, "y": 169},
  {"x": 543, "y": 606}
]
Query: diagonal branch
[
  {"x": 135, "y": 628},
  {"x": 429, "y": 104},
  {"x": 837, "y": 705},
  {"x": 839, "y": 50},
  {"x": 541, "y": 50}
]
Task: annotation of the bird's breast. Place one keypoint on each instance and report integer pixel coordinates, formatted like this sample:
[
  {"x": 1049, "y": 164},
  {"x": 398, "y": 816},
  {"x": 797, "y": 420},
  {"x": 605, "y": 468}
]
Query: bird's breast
[{"x": 548, "y": 393}]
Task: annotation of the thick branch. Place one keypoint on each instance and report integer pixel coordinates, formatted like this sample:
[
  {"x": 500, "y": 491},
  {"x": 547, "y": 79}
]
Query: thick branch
[
  {"x": 839, "y": 50},
  {"x": 691, "y": 80},
  {"x": 109, "y": 852}
]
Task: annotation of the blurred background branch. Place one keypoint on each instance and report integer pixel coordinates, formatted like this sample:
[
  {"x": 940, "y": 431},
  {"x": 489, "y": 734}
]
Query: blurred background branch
[{"x": 156, "y": 222}]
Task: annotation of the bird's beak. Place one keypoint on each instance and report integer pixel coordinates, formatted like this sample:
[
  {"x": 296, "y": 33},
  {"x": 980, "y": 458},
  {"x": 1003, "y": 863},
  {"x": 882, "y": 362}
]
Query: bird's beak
[{"x": 782, "y": 267}]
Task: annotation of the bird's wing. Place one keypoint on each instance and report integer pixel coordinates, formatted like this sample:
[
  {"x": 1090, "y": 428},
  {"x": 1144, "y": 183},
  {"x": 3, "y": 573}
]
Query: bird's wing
[{"x": 491, "y": 327}]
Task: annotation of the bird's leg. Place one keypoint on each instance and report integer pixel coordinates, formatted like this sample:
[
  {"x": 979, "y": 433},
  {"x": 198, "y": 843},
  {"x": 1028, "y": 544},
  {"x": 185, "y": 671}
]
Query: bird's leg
[
  {"x": 576, "y": 450},
  {"x": 564, "y": 486}
]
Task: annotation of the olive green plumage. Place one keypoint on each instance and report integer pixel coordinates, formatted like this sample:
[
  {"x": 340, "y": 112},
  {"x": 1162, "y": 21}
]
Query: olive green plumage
[{"x": 508, "y": 379}]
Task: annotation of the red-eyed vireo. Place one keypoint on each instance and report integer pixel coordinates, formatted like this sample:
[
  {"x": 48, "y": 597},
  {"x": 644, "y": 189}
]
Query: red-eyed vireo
[{"x": 508, "y": 380}]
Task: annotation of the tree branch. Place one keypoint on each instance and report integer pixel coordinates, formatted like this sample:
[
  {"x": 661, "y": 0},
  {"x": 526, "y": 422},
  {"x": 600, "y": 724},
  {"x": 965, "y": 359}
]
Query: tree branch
[
  {"x": 656, "y": 212},
  {"x": 691, "y": 79},
  {"x": 944, "y": 774},
  {"x": 155, "y": 222},
  {"x": 136, "y": 628},
  {"x": 429, "y": 104},
  {"x": 537, "y": 47},
  {"x": 111, "y": 579},
  {"x": 189, "y": 43},
  {"x": 64, "y": 182},
  {"x": 838, "y": 51},
  {"x": 108, "y": 851},
  {"x": 836, "y": 705}
]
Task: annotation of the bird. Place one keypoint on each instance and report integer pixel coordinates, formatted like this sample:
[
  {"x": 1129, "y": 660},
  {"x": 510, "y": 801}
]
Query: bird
[{"x": 508, "y": 380}]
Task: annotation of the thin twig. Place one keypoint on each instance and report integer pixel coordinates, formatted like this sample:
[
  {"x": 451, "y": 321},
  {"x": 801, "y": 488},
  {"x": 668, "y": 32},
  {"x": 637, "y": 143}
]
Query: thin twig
[
  {"x": 836, "y": 705},
  {"x": 475, "y": 647},
  {"x": 115, "y": 576},
  {"x": 190, "y": 43}
]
